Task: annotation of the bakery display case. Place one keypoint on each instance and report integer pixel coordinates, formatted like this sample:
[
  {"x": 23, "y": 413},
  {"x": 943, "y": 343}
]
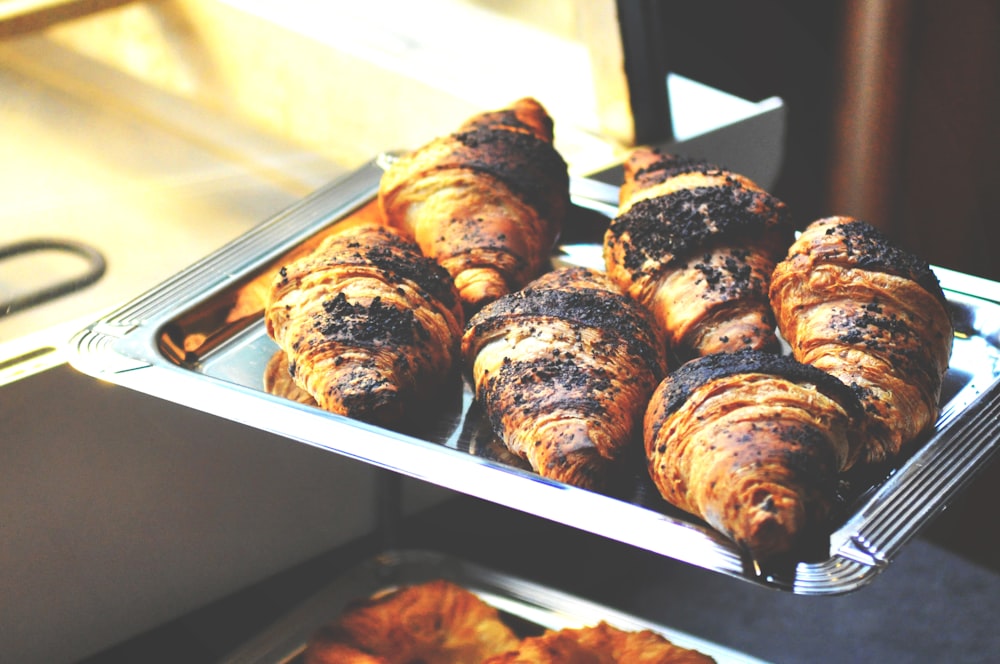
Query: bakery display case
[{"x": 443, "y": 498}]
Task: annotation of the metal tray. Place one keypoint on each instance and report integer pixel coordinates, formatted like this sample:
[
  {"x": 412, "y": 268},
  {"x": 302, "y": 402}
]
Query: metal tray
[
  {"x": 528, "y": 608},
  {"x": 199, "y": 340}
]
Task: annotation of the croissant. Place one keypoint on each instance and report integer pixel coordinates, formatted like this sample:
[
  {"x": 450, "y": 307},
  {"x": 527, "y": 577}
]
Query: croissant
[
  {"x": 437, "y": 622},
  {"x": 752, "y": 443},
  {"x": 278, "y": 380},
  {"x": 696, "y": 245},
  {"x": 563, "y": 370},
  {"x": 371, "y": 327},
  {"x": 851, "y": 303},
  {"x": 600, "y": 644},
  {"x": 487, "y": 202},
  {"x": 250, "y": 298}
]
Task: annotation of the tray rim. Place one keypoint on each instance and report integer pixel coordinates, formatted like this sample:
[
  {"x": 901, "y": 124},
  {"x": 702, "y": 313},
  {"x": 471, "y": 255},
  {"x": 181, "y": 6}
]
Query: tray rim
[{"x": 122, "y": 348}]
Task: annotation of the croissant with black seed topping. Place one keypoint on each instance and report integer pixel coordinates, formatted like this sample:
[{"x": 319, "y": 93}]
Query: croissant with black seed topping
[
  {"x": 696, "y": 245},
  {"x": 371, "y": 328},
  {"x": 487, "y": 201},
  {"x": 752, "y": 443},
  {"x": 854, "y": 305},
  {"x": 563, "y": 370}
]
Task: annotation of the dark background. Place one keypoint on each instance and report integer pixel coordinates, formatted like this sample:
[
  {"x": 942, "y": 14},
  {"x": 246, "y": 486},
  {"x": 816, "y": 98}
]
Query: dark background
[{"x": 897, "y": 126}]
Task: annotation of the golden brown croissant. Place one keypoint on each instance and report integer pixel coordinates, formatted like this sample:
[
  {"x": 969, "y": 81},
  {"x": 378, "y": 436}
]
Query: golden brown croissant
[
  {"x": 563, "y": 370},
  {"x": 370, "y": 326},
  {"x": 437, "y": 622},
  {"x": 696, "y": 245},
  {"x": 279, "y": 382},
  {"x": 250, "y": 298},
  {"x": 600, "y": 644},
  {"x": 486, "y": 202},
  {"x": 864, "y": 310},
  {"x": 751, "y": 442}
]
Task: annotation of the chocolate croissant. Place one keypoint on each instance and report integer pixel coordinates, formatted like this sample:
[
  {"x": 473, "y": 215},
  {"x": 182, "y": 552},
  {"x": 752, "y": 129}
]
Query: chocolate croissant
[
  {"x": 752, "y": 443},
  {"x": 437, "y": 622},
  {"x": 371, "y": 327},
  {"x": 696, "y": 245},
  {"x": 487, "y": 202},
  {"x": 851, "y": 303},
  {"x": 278, "y": 380},
  {"x": 563, "y": 370}
]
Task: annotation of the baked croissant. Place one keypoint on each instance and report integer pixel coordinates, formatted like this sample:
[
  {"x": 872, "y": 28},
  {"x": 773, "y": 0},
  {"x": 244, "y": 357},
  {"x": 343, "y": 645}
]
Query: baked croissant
[
  {"x": 563, "y": 370},
  {"x": 696, "y": 244},
  {"x": 752, "y": 443},
  {"x": 437, "y": 622},
  {"x": 854, "y": 305},
  {"x": 278, "y": 380},
  {"x": 371, "y": 327},
  {"x": 600, "y": 644},
  {"x": 487, "y": 202}
]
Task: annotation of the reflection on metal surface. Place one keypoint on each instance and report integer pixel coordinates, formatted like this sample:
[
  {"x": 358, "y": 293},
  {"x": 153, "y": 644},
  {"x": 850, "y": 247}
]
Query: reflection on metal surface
[
  {"x": 152, "y": 182},
  {"x": 28, "y": 363}
]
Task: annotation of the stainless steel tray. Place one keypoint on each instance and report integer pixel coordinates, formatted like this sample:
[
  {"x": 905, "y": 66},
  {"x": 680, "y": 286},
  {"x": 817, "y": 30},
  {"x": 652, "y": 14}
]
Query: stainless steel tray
[
  {"x": 527, "y": 607},
  {"x": 199, "y": 340}
]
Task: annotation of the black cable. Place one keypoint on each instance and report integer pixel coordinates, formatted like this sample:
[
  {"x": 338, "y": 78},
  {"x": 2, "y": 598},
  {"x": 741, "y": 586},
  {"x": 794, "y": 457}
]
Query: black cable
[{"x": 96, "y": 265}]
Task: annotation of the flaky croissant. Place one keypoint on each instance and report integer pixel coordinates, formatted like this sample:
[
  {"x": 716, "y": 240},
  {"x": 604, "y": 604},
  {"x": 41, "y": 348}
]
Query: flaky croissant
[
  {"x": 600, "y": 644},
  {"x": 371, "y": 327},
  {"x": 487, "y": 202},
  {"x": 696, "y": 245},
  {"x": 854, "y": 305},
  {"x": 752, "y": 443},
  {"x": 437, "y": 622},
  {"x": 563, "y": 370},
  {"x": 278, "y": 380}
]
